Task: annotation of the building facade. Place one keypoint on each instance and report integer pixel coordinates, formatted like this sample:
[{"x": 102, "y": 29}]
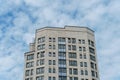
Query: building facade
[{"x": 67, "y": 53}]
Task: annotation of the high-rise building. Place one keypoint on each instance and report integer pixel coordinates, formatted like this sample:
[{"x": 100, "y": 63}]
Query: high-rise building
[{"x": 67, "y": 53}]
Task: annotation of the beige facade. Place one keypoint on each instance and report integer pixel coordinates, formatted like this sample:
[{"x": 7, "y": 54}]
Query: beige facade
[{"x": 67, "y": 53}]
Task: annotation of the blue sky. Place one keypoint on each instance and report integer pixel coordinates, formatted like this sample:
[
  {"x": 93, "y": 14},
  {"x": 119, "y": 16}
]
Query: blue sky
[{"x": 20, "y": 18}]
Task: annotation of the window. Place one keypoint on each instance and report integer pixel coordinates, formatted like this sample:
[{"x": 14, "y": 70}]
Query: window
[
  {"x": 54, "y": 78},
  {"x": 50, "y": 39},
  {"x": 62, "y": 54},
  {"x": 50, "y": 46},
  {"x": 29, "y": 64},
  {"x": 92, "y": 65},
  {"x": 50, "y": 70},
  {"x": 89, "y": 42},
  {"x": 53, "y": 39},
  {"x": 69, "y": 47},
  {"x": 41, "y": 47},
  {"x": 86, "y": 72},
  {"x": 54, "y": 62},
  {"x": 40, "y": 62},
  {"x": 80, "y": 48},
  {"x": 62, "y": 47},
  {"x": 69, "y": 40},
  {"x": 40, "y": 70},
  {"x": 93, "y": 73},
  {"x": 30, "y": 57},
  {"x": 80, "y": 56},
  {"x": 74, "y": 47},
  {"x": 85, "y": 64},
  {"x": 75, "y": 78},
  {"x": 79, "y": 41},
  {"x": 92, "y": 58},
  {"x": 92, "y": 43},
  {"x": 83, "y": 41},
  {"x": 81, "y": 64},
  {"x": 62, "y": 70},
  {"x": 73, "y": 40},
  {"x": 72, "y": 55},
  {"x": 70, "y": 78},
  {"x": 54, "y": 54},
  {"x": 72, "y": 63},
  {"x": 91, "y": 50},
  {"x": 40, "y": 78},
  {"x": 27, "y": 72},
  {"x": 54, "y": 70},
  {"x": 42, "y": 39},
  {"x": 96, "y": 74},
  {"x": 50, "y": 62},
  {"x": 70, "y": 70},
  {"x": 60, "y": 39},
  {"x": 62, "y": 62},
  {"x": 75, "y": 71},
  {"x": 53, "y": 46},
  {"x": 85, "y": 57},
  {"x": 40, "y": 54},
  {"x": 82, "y": 72},
  {"x": 49, "y": 78},
  {"x": 84, "y": 48},
  {"x": 32, "y": 71},
  {"x": 50, "y": 54}
]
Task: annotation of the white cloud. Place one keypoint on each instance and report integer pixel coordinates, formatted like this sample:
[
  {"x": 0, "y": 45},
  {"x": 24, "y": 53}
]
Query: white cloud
[{"x": 28, "y": 15}]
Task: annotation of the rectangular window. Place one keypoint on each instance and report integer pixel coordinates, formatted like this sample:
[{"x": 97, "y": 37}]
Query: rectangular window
[
  {"x": 49, "y": 70},
  {"x": 54, "y": 78},
  {"x": 75, "y": 71},
  {"x": 92, "y": 65},
  {"x": 80, "y": 56},
  {"x": 75, "y": 78},
  {"x": 82, "y": 72},
  {"x": 49, "y": 78},
  {"x": 81, "y": 64},
  {"x": 72, "y": 55},
  {"x": 40, "y": 78},
  {"x": 50, "y": 39},
  {"x": 91, "y": 50},
  {"x": 69, "y": 47},
  {"x": 54, "y": 70},
  {"x": 92, "y": 58},
  {"x": 40, "y": 70},
  {"x": 62, "y": 70},
  {"x": 86, "y": 72},
  {"x": 30, "y": 57},
  {"x": 70, "y": 70},
  {"x": 54, "y": 62},
  {"x": 69, "y": 40},
  {"x": 84, "y": 48},
  {"x": 85, "y": 64},
  {"x": 53, "y": 39},
  {"x": 50, "y": 54},
  {"x": 93, "y": 73},
  {"x": 72, "y": 63},
  {"x": 74, "y": 47},
  {"x": 54, "y": 54},
  {"x": 83, "y": 41},
  {"x": 50, "y": 62},
  {"x": 62, "y": 62},
  {"x": 73, "y": 40},
  {"x": 79, "y": 41},
  {"x": 53, "y": 46},
  {"x": 80, "y": 48},
  {"x": 61, "y": 39}
]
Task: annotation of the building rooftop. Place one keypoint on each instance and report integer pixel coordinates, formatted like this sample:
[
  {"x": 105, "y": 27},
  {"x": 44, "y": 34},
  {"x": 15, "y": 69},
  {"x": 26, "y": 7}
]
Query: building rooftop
[{"x": 66, "y": 27}]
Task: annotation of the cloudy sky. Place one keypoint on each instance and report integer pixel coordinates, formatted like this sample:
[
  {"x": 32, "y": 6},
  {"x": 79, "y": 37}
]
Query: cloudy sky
[{"x": 20, "y": 18}]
